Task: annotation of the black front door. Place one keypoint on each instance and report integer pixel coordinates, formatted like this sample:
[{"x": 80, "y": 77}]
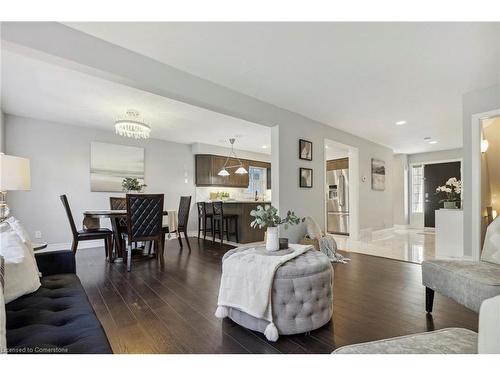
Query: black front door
[{"x": 436, "y": 175}]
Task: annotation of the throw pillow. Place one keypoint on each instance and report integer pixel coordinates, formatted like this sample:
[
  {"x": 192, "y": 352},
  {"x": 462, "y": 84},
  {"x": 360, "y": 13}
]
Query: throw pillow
[
  {"x": 313, "y": 229},
  {"x": 491, "y": 247},
  {"x": 3, "y": 339},
  {"x": 21, "y": 271}
]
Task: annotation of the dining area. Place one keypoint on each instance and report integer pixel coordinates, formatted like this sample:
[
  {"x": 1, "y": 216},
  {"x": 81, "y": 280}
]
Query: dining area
[{"x": 139, "y": 226}]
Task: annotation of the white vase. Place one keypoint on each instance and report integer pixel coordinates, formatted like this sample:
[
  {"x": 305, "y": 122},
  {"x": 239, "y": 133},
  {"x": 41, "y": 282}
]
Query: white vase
[{"x": 272, "y": 239}]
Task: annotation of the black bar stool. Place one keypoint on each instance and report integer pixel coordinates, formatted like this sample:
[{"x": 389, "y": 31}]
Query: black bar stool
[
  {"x": 221, "y": 223},
  {"x": 204, "y": 217}
]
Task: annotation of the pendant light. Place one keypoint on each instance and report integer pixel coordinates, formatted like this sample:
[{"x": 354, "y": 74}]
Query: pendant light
[{"x": 239, "y": 167}]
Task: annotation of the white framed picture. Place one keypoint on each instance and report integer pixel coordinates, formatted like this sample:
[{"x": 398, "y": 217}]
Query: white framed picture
[{"x": 110, "y": 164}]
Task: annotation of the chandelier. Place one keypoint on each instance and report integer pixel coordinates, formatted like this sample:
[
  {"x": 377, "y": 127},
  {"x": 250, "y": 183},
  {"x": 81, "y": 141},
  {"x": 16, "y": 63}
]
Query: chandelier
[
  {"x": 239, "y": 167},
  {"x": 132, "y": 125}
]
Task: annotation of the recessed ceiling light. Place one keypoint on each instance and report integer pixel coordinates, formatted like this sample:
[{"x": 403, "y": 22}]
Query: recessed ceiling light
[
  {"x": 326, "y": 146},
  {"x": 264, "y": 146},
  {"x": 433, "y": 142},
  {"x": 402, "y": 122}
]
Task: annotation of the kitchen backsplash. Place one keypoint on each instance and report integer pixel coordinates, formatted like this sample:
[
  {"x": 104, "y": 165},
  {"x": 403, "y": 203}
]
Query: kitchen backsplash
[{"x": 203, "y": 193}]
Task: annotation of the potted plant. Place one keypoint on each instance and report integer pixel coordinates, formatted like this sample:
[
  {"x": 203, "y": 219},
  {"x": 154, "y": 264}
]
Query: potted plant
[
  {"x": 451, "y": 192},
  {"x": 131, "y": 184},
  {"x": 267, "y": 217}
]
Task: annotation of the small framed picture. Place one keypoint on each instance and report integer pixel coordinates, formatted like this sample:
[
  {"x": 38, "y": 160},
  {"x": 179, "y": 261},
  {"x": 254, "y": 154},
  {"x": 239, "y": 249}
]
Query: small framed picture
[
  {"x": 305, "y": 150},
  {"x": 306, "y": 178}
]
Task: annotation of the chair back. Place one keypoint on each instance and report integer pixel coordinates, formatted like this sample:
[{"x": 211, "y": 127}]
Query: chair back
[
  {"x": 144, "y": 216},
  {"x": 183, "y": 213},
  {"x": 64, "y": 200},
  {"x": 201, "y": 209},
  {"x": 217, "y": 208},
  {"x": 119, "y": 203}
]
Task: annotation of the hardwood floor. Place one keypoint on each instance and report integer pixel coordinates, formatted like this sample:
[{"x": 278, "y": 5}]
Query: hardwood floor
[{"x": 171, "y": 310}]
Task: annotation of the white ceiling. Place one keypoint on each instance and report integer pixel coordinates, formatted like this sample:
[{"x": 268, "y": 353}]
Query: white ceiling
[
  {"x": 38, "y": 89},
  {"x": 359, "y": 77}
]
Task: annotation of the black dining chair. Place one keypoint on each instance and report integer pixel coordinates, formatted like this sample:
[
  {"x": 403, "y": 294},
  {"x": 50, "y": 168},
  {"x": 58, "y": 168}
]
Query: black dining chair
[
  {"x": 144, "y": 222},
  {"x": 119, "y": 203},
  {"x": 221, "y": 223},
  {"x": 182, "y": 221},
  {"x": 204, "y": 217},
  {"x": 88, "y": 234}
]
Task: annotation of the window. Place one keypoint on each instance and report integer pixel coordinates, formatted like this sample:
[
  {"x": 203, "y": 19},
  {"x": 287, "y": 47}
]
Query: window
[
  {"x": 417, "y": 189},
  {"x": 256, "y": 181}
]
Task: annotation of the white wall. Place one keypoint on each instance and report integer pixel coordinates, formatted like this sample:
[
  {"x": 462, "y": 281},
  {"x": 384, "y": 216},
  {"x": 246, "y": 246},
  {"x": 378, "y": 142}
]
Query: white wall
[
  {"x": 2, "y": 132},
  {"x": 400, "y": 189},
  {"x": 203, "y": 148},
  {"x": 431, "y": 157},
  {"x": 60, "y": 164}
]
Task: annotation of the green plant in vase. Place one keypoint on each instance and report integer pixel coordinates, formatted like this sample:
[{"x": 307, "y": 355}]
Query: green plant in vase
[
  {"x": 131, "y": 184},
  {"x": 267, "y": 217}
]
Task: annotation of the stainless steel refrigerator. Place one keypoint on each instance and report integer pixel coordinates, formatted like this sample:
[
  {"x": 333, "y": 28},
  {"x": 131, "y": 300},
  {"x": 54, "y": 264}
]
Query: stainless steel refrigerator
[{"x": 338, "y": 201}]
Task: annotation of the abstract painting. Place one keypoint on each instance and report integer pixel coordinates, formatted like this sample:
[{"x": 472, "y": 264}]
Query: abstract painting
[
  {"x": 378, "y": 174},
  {"x": 110, "y": 164}
]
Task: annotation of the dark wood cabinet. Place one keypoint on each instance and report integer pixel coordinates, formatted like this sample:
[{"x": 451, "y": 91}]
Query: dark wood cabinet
[
  {"x": 334, "y": 164},
  {"x": 208, "y": 167}
]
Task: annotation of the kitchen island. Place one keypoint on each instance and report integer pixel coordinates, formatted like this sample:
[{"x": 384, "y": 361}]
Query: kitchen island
[{"x": 246, "y": 233}]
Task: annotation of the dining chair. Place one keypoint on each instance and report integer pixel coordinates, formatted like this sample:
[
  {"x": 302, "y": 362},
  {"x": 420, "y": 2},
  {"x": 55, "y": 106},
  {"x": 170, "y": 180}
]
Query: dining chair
[
  {"x": 88, "y": 234},
  {"x": 144, "y": 222},
  {"x": 204, "y": 217},
  {"x": 183, "y": 218},
  {"x": 221, "y": 223},
  {"x": 119, "y": 203}
]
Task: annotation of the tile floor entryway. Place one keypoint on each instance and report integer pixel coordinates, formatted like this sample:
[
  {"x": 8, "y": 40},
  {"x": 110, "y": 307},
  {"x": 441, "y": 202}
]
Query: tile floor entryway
[{"x": 410, "y": 245}]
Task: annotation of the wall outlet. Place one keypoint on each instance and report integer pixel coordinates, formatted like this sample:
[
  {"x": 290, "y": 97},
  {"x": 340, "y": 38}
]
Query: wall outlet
[{"x": 38, "y": 234}]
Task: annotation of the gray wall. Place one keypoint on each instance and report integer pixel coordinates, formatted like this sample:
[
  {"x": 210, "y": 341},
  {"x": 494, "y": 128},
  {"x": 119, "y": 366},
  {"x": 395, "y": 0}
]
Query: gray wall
[
  {"x": 475, "y": 102},
  {"x": 430, "y": 157},
  {"x": 59, "y": 156},
  {"x": 2, "y": 132}
]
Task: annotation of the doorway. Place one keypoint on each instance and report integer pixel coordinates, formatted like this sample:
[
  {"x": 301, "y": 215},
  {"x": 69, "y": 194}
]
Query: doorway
[
  {"x": 424, "y": 179},
  {"x": 436, "y": 175},
  {"x": 341, "y": 189}
]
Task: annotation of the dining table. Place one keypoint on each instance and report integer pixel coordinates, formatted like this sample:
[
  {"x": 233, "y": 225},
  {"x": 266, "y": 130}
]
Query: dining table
[{"x": 92, "y": 220}]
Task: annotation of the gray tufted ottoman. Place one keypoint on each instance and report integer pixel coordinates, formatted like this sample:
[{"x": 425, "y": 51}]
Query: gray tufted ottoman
[{"x": 301, "y": 296}]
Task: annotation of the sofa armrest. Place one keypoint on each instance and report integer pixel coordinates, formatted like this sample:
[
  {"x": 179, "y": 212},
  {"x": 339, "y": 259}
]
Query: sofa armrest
[{"x": 55, "y": 262}]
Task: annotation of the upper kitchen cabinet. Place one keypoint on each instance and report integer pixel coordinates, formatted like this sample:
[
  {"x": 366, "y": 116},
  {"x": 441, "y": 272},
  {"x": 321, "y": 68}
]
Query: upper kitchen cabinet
[{"x": 208, "y": 167}]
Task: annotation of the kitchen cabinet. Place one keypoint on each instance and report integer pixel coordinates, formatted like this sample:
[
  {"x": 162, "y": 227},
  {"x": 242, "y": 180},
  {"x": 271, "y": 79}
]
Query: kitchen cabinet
[{"x": 208, "y": 167}]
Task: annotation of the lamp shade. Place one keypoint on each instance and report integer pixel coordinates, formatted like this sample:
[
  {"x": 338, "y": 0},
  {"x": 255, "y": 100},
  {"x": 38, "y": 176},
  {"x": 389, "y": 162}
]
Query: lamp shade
[{"x": 14, "y": 173}]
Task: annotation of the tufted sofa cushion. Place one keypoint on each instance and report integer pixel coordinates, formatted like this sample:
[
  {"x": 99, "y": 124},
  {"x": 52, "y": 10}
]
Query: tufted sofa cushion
[
  {"x": 57, "y": 318},
  {"x": 302, "y": 296}
]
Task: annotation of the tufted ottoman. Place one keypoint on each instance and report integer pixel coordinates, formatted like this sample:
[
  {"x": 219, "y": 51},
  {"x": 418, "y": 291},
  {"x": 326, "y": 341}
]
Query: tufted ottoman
[{"x": 301, "y": 296}]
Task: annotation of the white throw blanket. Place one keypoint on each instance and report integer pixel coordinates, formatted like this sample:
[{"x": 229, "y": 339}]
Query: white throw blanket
[{"x": 247, "y": 280}]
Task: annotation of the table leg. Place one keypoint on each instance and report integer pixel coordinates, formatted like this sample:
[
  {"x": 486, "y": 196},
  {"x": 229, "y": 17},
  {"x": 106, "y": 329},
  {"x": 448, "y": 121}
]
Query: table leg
[{"x": 118, "y": 240}]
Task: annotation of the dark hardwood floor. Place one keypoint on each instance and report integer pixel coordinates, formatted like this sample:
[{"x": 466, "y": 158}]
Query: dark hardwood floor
[{"x": 171, "y": 310}]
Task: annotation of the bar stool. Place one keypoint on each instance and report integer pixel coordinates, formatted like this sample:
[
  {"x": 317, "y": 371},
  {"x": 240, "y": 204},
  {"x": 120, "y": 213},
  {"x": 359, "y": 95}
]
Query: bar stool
[
  {"x": 204, "y": 216},
  {"x": 221, "y": 223}
]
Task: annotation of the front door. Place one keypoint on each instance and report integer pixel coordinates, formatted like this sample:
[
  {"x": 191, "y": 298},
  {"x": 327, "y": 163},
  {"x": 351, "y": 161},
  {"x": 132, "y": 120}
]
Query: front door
[{"x": 436, "y": 175}]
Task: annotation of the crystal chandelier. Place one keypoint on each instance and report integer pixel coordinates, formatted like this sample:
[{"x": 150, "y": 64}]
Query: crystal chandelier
[
  {"x": 132, "y": 125},
  {"x": 239, "y": 167}
]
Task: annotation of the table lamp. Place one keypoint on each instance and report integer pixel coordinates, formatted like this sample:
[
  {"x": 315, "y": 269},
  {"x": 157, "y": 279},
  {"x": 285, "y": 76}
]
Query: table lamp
[{"x": 14, "y": 175}]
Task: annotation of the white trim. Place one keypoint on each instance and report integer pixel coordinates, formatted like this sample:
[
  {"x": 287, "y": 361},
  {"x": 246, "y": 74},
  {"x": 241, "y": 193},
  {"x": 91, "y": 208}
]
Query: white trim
[
  {"x": 476, "y": 181},
  {"x": 81, "y": 245}
]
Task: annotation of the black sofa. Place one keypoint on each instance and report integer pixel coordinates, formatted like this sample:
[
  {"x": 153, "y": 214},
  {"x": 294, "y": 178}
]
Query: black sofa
[{"x": 58, "y": 317}]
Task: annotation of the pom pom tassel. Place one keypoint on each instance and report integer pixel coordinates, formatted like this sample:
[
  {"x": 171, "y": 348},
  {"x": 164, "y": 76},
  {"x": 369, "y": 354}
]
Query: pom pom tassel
[
  {"x": 271, "y": 332},
  {"x": 222, "y": 312}
]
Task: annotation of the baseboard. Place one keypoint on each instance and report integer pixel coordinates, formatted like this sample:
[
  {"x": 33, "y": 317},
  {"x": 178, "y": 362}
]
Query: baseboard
[{"x": 401, "y": 226}]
